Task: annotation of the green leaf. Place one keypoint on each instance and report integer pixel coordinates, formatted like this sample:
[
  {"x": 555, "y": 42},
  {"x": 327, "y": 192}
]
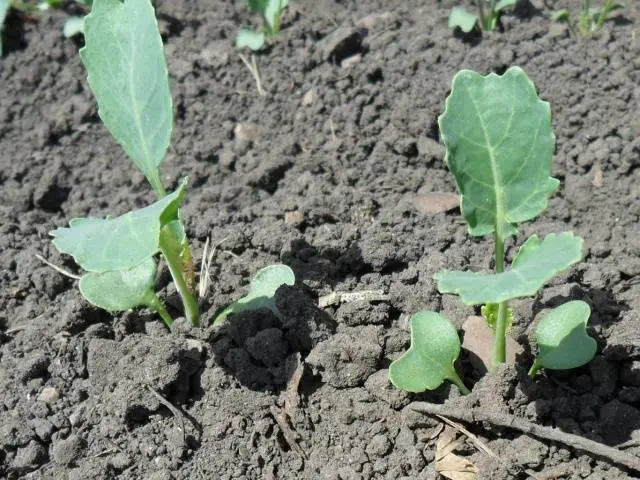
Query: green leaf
[
  {"x": 273, "y": 12},
  {"x": 535, "y": 264},
  {"x": 101, "y": 245},
  {"x": 502, "y": 4},
  {"x": 4, "y": 8},
  {"x": 499, "y": 146},
  {"x": 73, "y": 26},
  {"x": 459, "y": 17},
  {"x": 250, "y": 38},
  {"x": 490, "y": 313},
  {"x": 560, "y": 16},
  {"x": 121, "y": 290},
  {"x": 435, "y": 345},
  {"x": 262, "y": 291},
  {"x": 562, "y": 338},
  {"x": 127, "y": 72},
  {"x": 257, "y": 5}
]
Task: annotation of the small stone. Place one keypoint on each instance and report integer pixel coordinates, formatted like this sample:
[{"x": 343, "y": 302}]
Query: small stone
[
  {"x": 435, "y": 202},
  {"x": 43, "y": 428},
  {"x": 293, "y": 218},
  {"x": 351, "y": 61},
  {"x": 309, "y": 98},
  {"x": 246, "y": 132},
  {"x": 49, "y": 395}
]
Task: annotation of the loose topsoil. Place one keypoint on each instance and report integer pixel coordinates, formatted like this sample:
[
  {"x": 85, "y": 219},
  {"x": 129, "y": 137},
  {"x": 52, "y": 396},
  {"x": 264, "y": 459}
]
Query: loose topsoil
[{"x": 322, "y": 173}]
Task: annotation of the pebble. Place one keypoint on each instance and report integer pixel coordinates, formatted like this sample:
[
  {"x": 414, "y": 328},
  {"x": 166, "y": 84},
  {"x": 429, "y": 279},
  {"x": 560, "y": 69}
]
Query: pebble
[{"x": 49, "y": 395}]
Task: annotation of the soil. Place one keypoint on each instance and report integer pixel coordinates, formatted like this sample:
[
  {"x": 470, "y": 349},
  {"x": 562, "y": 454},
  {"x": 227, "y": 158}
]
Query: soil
[{"x": 322, "y": 175}]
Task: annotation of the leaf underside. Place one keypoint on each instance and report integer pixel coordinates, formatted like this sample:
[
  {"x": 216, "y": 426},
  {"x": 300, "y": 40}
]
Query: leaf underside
[
  {"x": 499, "y": 147},
  {"x": 127, "y": 72},
  {"x": 435, "y": 345},
  {"x": 252, "y": 39},
  {"x": 562, "y": 337},
  {"x": 262, "y": 291},
  {"x": 535, "y": 264},
  {"x": 120, "y": 290},
  {"x": 101, "y": 245}
]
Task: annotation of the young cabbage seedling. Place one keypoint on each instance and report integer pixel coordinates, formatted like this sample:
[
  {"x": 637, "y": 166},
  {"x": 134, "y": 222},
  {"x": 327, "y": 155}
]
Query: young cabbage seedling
[
  {"x": 271, "y": 11},
  {"x": 589, "y": 19},
  {"x": 127, "y": 73},
  {"x": 499, "y": 147},
  {"x": 487, "y": 16}
]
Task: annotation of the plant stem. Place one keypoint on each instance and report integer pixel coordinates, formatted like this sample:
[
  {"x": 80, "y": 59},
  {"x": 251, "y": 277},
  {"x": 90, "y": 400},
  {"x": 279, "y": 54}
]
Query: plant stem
[
  {"x": 534, "y": 368},
  {"x": 483, "y": 18},
  {"x": 170, "y": 250},
  {"x": 156, "y": 304},
  {"x": 604, "y": 13},
  {"x": 457, "y": 381},
  {"x": 499, "y": 341}
]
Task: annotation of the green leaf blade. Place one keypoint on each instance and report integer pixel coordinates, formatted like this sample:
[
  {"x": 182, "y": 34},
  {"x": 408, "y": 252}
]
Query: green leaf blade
[
  {"x": 272, "y": 14},
  {"x": 262, "y": 291},
  {"x": 502, "y": 4},
  {"x": 459, "y": 17},
  {"x": 499, "y": 146},
  {"x": 102, "y": 245},
  {"x": 435, "y": 345},
  {"x": 120, "y": 290},
  {"x": 562, "y": 337},
  {"x": 127, "y": 72},
  {"x": 536, "y": 263}
]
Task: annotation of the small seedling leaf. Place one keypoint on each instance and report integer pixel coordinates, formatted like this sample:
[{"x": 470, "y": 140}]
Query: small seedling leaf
[
  {"x": 127, "y": 72},
  {"x": 272, "y": 14},
  {"x": 257, "y": 5},
  {"x": 73, "y": 26},
  {"x": 535, "y": 264},
  {"x": 562, "y": 338},
  {"x": 560, "y": 16},
  {"x": 121, "y": 290},
  {"x": 102, "y": 245},
  {"x": 490, "y": 313},
  {"x": 499, "y": 146},
  {"x": 502, "y": 4},
  {"x": 459, "y": 17},
  {"x": 262, "y": 291},
  {"x": 435, "y": 345},
  {"x": 250, "y": 38},
  {"x": 4, "y": 8}
]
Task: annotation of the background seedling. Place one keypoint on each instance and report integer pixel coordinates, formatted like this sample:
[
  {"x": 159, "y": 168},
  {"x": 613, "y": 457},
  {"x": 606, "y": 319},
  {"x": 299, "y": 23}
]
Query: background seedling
[
  {"x": 487, "y": 16},
  {"x": 262, "y": 291},
  {"x": 589, "y": 19},
  {"x": 562, "y": 338},
  {"x": 271, "y": 11},
  {"x": 435, "y": 346}
]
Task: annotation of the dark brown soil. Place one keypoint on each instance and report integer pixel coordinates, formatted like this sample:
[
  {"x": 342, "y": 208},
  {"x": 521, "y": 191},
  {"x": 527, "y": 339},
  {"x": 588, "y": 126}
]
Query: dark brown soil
[{"x": 344, "y": 139}]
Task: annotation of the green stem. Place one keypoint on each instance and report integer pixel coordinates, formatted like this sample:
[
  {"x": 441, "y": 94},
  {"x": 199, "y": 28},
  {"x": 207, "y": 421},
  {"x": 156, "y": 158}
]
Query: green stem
[
  {"x": 156, "y": 304},
  {"x": 500, "y": 340},
  {"x": 604, "y": 13},
  {"x": 537, "y": 365},
  {"x": 457, "y": 381},
  {"x": 172, "y": 256},
  {"x": 481, "y": 14}
]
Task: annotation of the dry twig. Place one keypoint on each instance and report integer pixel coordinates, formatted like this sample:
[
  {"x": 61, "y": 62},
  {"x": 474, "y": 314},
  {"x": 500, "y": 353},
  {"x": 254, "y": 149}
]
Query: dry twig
[
  {"x": 363, "y": 296},
  {"x": 590, "y": 447},
  {"x": 255, "y": 73},
  {"x": 58, "y": 269}
]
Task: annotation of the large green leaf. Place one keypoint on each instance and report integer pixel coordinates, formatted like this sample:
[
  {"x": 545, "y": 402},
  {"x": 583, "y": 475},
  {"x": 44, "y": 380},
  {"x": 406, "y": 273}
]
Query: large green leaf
[
  {"x": 562, "y": 338},
  {"x": 120, "y": 290},
  {"x": 435, "y": 345},
  {"x": 499, "y": 146},
  {"x": 101, "y": 245},
  {"x": 536, "y": 263},
  {"x": 4, "y": 8},
  {"x": 262, "y": 291},
  {"x": 127, "y": 72}
]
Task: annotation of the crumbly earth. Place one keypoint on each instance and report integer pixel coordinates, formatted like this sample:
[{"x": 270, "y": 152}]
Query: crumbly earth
[{"x": 319, "y": 173}]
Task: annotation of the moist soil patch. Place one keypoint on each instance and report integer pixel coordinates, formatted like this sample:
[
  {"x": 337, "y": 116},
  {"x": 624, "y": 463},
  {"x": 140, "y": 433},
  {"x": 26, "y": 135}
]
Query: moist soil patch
[{"x": 325, "y": 172}]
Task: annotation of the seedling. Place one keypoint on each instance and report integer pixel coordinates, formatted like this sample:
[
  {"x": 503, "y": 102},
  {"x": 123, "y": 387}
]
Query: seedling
[
  {"x": 589, "y": 19},
  {"x": 486, "y": 18},
  {"x": 271, "y": 11},
  {"x": 128, "y": 75},
  {"x": 499, "y": 146}
]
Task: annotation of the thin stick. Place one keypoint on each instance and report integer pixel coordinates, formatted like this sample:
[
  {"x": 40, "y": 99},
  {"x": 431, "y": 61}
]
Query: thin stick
[
  {"x": 480, "y": 445},
  {"x": 57, "y": 268},
  {"x": 176, "y": 413},
  {"x": 205, "y": 266},
  {"x": 590, "y": 447},
  {"x": 255, "y": 73}
]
